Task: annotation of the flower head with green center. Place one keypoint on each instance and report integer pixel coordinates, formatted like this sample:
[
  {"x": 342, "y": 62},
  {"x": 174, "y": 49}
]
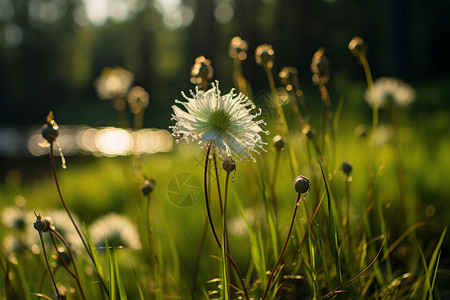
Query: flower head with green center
[{"x": 225, "y": 120}]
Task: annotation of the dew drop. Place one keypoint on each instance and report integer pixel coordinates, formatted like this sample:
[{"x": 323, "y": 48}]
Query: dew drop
[{"x": 63, "y": 160}]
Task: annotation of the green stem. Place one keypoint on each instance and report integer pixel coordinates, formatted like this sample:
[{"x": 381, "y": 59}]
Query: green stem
[
  {"x": 369, "y": 79},
  {"x": 273, "y": 184},
  {"x": 205, "y": 185},
  {"x": 284, "y": 126},
  {"x": 225, "y": 242},
  {"x": 218, "y": 184}
]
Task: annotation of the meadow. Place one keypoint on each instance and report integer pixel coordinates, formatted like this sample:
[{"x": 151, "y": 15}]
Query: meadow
[{"x": 214, "y": 219}]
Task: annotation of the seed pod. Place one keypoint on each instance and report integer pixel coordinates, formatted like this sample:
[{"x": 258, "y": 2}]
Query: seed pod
[
  {"x": 357, "y": 46},
  {"x": 229, "y": 165},
  {"x": 346, "y": 168},
  {"x": 320, "y": 67},
  {"x": 278, "y": 142},
  {"x": 301, "y": 184},
  {"x": 238, "y": 48},
  {"x": 48, "y": 224},
  {"x": 147, "y": 187},
  {"x": 50, "y": 133},
  {"x": 40, "y": 225},
  {"x": 264, "y": 55}
]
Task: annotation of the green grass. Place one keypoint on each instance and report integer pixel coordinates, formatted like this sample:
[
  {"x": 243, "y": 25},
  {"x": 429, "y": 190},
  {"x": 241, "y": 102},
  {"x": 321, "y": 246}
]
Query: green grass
[{"x": 394, "y": 247}]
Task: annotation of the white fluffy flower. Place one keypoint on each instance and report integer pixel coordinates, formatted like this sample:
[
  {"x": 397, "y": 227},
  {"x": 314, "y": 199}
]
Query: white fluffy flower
[
  {"x": 225, "y": 120},
  {"x": 117, "y": 230},
  {"x": 387, "y": 89}
]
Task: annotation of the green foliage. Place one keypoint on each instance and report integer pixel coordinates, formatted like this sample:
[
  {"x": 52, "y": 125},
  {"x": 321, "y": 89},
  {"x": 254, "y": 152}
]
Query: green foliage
[{"x": 373, "y": 253}]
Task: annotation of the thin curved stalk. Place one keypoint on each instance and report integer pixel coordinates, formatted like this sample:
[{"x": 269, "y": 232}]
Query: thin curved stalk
[
  {"x": 52, "y": 160},
  {"x": 272, "y": 274},
  {"x": 72, "y": 258},
  {"x": 48, "y": 265},
  {"x": 205, "y": 181}
]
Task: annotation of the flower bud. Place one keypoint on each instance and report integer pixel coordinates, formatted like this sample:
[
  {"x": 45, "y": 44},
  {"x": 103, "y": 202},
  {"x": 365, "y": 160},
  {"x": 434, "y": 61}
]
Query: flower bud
[
  {"x": 301, "y": 184},
  {"x": 229, "y": 165},
  {"x": 320, "y": 67},
  {"x": 48, "y": 224},
  {"x": 40, "y": 225},
  {"x": 147, "y": 187},
  {"x": 264, "y": 55},
  {"x": 50, "y": 133},
  {"x": 201, "y": 71},
  {"x": 278, "y": 142},
  {"x": 289, "y": 77},
  {"x": 346, "y": 168},
  {"x": 309, "y": 132},
  {"x": 357, "y": 46}
]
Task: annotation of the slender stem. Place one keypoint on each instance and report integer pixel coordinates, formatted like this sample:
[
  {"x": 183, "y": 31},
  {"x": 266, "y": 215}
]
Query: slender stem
[
  {"x": 48, "y": 265},
  {"x": 347, "y": 197},
  {"x": 66, "y": 266},
  {"x": 52, "y": 231},
  {"x": 369, "y": 79},
  {"x": 150, "y": 231},
  {"x": 284, "y": 126},
  {"x": 272, "y": 274},
  {"x": 64, "y": 203},
  {"x": 218, "y": 183},
  {"x": 273, "y": 184},
  {"x": 233, "y": 263},
  {"x": 225, "y": 242},
  {"x": 52, "y": 160}
]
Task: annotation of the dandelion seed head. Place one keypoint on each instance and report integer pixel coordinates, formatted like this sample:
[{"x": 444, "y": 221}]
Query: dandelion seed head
[
  {"x": 117, "y": 230},
  {"x": 386, "y": 90}
]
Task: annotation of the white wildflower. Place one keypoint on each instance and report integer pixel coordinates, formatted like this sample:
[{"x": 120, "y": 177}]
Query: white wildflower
[
  {"x": 17, "y": 218},
  {"x": 225, "y": 120},
  {"x": 387, "y": 89},
  {"x": 117, "y": 230}
]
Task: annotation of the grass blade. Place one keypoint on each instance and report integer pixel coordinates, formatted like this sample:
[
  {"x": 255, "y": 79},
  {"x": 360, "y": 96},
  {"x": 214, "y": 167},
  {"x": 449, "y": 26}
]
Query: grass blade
[
  {"x": 332, "y": 232},
  {"x": 120, "y": 285}
]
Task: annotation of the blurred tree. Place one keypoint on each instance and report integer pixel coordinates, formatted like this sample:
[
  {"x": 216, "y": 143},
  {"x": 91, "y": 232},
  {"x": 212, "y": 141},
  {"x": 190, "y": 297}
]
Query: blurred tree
[{"x": 50, "y": 53}]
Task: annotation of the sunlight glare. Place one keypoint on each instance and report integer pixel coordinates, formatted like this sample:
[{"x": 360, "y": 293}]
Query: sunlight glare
[{"x": 113, "y": 141}]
